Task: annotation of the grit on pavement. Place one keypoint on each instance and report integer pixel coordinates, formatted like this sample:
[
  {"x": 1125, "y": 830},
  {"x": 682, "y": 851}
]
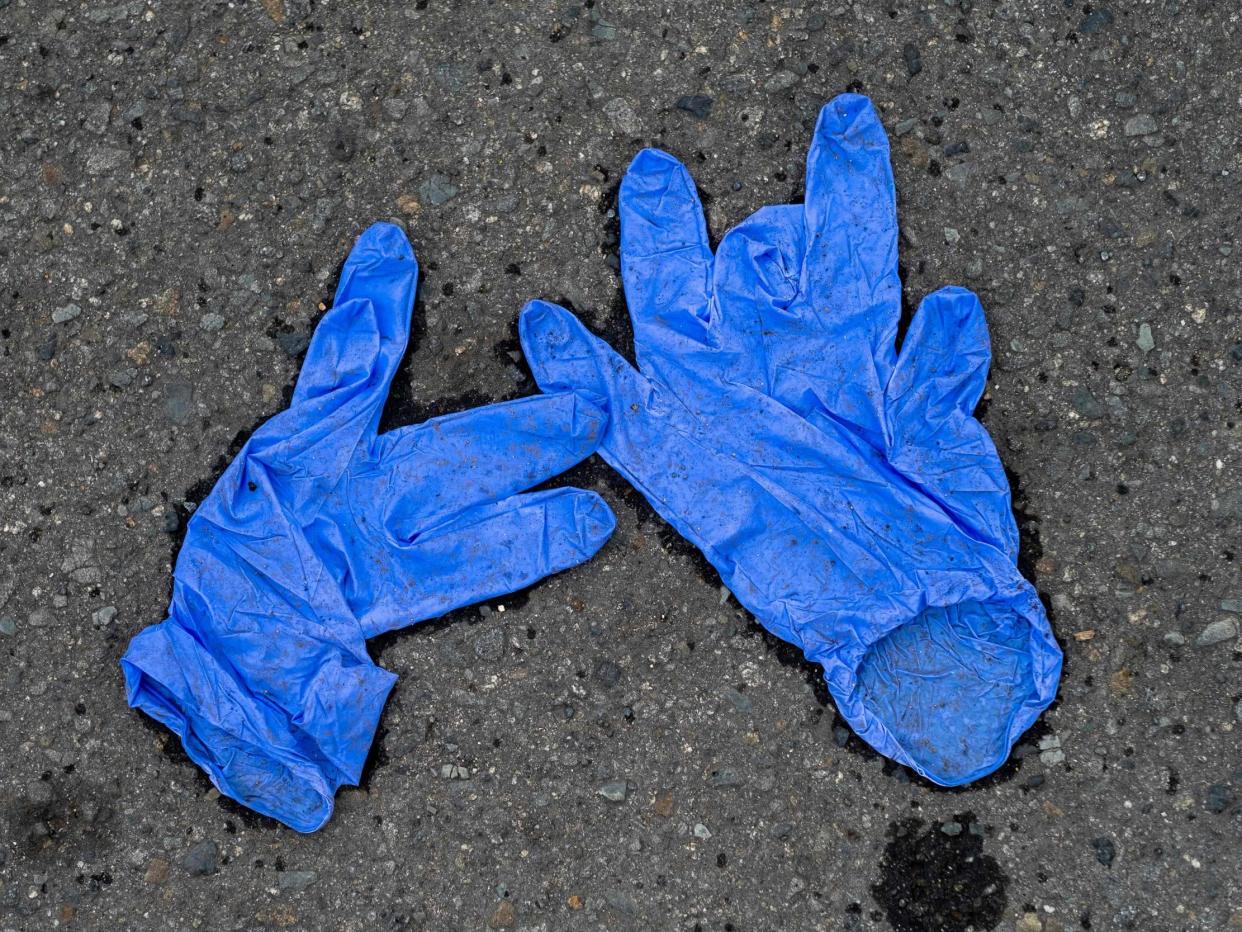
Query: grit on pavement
[{"x": 620, "y": 747}]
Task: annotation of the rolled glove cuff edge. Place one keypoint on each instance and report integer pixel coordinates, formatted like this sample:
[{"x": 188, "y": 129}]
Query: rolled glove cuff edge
[{"x": 277, "y": 778}]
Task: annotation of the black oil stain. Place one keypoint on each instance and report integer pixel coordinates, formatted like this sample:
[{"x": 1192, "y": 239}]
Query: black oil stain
[
  {"x": 60, "y": 819},
  {"x": 931, "y": 881}
]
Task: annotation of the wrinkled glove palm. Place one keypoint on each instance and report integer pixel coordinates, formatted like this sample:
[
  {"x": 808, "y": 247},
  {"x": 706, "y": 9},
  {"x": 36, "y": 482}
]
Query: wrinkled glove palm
[
  {"x": 843, "y": 490},
  {"x": 323, "y": 533}
]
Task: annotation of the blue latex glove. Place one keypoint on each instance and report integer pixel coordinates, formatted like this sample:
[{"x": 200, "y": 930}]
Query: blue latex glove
[
  {"x": 321, "y": 534},
  {"x": 844, "y": 492}
]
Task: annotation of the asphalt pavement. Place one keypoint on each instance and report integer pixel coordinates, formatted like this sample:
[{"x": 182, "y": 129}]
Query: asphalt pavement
[{"x": 621, "y": 746}]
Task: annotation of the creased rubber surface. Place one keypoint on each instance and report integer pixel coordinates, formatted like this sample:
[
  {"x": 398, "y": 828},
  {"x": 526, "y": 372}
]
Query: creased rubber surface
[
  {"x": 845, "y": 493},
  {"x": 322, "y": 533}
]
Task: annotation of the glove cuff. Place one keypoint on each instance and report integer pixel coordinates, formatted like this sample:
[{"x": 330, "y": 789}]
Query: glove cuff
[
  {"x": 948, "y": 689},
  {"x": 255, "y": 751}
]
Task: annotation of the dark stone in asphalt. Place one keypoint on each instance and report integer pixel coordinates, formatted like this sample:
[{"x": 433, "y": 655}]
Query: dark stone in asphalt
[
  {"x": 1219, "y": 798},
  {"x": 202, "y": 859},
  {"x": 1105, "y": 851},
  {"x": 293, "y": 342},
  {"x": 1087, "y": 404},
  {"x": 697, "y": 105},
  {"x": 438, "y": 190},
  {"x": 607, "y": 673},
  {"x": 913, "y": 58},
  {"x": 1095, "y": 20}
]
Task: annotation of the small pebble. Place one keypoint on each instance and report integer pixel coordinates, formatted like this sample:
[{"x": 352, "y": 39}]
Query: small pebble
[
  {"x": 607, "y": 673},
  {"x": 697, "y": 105},
  {"x": 203, "y": 859},
  {"x": 781, "y": 81},
  {"x": 603, "y": 31},
  {"x": 1087, "y": 405},
  {"x": 40, "y": 618},
  {"x": 157, "y": 871},
  {"x": 1226, "y": 629},
  {"x": 913, "y": 57},
  {"x": 178, "y": 402},
  {"x": 614, "y": 791},
  {"x": 489, "y": 646},
  {"x": 295, "y": 881},
  {"x": 293, "y": 342},
  {"x": 1050, "y": 752},
  {"x": 1144, "y": 124},
  {"x": 1105, "y": 851},
  {"x": 1097, "y": 19},
  {"x": 504, "y": 916},
  {"x": 1146, "y": 342},
  {"x": 65, "y": 314},
  {"x": 1219, "y": 796},
  {"x": 622, "y": 116},
  {"x": 437, "y": 190}
]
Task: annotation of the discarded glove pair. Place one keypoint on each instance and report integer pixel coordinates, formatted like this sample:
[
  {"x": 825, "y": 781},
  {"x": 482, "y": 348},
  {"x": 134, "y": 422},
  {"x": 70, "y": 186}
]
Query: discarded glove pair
[{"x": 843, "y": 490}]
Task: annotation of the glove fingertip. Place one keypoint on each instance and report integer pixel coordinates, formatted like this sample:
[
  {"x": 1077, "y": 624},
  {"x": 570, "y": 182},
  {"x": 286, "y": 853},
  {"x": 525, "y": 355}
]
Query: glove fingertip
[
  {"x": 561, "y": 353},
  {"x": 594, "y": 522},
  {"x": 954, "y": 316},
  {"x": 850, "y": 117},
  {"x": 382, "y": 241},
  {"x": 651, "y": 161},
  {"x": 659, "y": 205}
]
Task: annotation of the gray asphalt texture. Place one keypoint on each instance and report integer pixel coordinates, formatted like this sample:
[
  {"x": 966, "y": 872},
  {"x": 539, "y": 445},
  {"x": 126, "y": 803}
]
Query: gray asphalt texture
[{"x": 620, "y": 747}]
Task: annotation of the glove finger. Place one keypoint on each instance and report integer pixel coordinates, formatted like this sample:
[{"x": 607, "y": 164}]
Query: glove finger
[
  {"x": 351, "y": 359},
  {"x": 934, "y": 438},
  {"x": 850, "y": 271},
  {"x": 565, "y": 356},
  {"x": 485, "y": 552},
  {"x": 943, "y": 367},
  {"x": 358, "y": 345},
  {"x": 480, "y": 455},
  {"x": 666, "y": 260}
]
